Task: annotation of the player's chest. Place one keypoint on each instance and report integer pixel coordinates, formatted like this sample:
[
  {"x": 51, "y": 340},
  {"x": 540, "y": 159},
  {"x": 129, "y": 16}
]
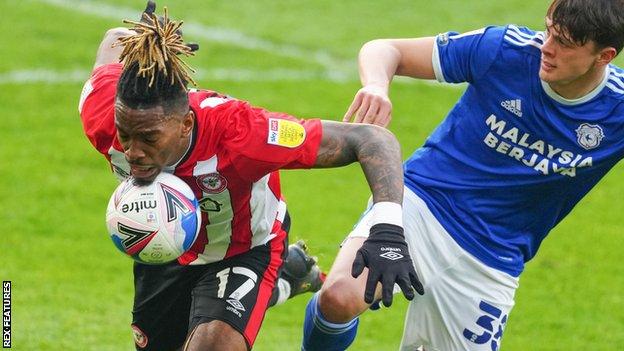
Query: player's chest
[
  {"x": 526, "y": 116},
  {"x": 522, "y": 127}
]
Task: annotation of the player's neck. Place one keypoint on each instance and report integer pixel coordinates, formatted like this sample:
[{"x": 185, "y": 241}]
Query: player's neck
[
  {"x": 581, "y": 86},
  {"x": 184, "y": 149}
]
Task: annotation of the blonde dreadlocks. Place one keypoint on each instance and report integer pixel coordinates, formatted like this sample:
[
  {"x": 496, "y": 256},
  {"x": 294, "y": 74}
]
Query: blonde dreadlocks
[{"x": 153, "y": 73}]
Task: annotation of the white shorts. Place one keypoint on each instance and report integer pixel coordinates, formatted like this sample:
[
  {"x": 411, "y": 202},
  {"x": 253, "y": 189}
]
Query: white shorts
[{"x": 466, "y": 303}]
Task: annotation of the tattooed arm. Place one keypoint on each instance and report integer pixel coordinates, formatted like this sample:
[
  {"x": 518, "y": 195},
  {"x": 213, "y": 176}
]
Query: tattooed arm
[
  {"x": 375, "y": 148},
  {"x": 379, "y": 154}
]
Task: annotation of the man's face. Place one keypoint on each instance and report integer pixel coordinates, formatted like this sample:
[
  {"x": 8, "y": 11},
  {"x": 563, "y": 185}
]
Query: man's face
[
  {"x": 563, "y": 61},
  {"x": 150, "y": 139}
]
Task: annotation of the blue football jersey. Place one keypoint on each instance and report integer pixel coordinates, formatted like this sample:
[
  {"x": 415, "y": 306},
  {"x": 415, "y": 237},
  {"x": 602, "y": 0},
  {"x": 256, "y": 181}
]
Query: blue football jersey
[{"x": 512, "y": 157}]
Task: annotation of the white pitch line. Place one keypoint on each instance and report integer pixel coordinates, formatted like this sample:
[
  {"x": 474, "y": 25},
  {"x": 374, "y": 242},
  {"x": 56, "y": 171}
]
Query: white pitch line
[
  {"x": 50, "y": 76},
  {"x": 47, "y": 76},
  {"x": 334, "y": 66},
  {"x": 268, "y": 75}
]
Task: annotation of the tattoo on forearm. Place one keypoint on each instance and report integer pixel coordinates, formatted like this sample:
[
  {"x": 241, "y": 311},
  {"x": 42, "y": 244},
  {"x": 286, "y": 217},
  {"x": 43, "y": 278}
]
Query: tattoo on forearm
[
  {"x": 377, "y": 151},
  {"x": 335, "y": 149}
]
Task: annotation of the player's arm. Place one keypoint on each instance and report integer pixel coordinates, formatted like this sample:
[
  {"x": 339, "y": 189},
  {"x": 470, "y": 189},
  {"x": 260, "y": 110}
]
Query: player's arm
[
  {"x": 379, "y": 154},
  {"x": 376, "y": 149},
  {"x": 379, "y": 61},
  {"x": 106, "y": 52}
]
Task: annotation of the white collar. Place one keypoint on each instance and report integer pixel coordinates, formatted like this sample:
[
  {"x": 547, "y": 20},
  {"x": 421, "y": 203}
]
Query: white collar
[{"x": 553, "y": 94}]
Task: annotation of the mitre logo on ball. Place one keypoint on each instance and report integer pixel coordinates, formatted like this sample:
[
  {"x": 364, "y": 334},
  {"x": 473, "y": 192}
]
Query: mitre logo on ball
[{"x": 154, "y": 223}]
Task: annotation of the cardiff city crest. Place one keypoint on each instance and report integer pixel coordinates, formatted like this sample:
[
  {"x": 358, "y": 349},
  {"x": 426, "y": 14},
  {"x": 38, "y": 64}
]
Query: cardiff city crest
[{"x": 589, "y": 135}]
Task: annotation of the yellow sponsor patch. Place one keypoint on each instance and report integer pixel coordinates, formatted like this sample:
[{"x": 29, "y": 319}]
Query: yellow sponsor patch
[{"x": 286, "y": 133}]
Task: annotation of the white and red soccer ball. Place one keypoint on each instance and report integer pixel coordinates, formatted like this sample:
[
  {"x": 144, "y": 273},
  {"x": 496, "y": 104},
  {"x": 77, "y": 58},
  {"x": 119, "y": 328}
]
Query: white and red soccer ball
[{"x": 154, "y": 223}]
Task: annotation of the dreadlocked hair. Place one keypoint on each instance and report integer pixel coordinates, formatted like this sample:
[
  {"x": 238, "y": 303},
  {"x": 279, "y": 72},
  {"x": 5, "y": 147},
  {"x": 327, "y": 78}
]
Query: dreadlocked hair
[{"x": 153, "y": 74}]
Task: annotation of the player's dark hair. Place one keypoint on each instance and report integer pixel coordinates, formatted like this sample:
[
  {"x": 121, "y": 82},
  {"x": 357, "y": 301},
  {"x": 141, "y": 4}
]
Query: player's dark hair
[
  {"x": 153, "y": 74},
  {"x": 601, "y": 21}
]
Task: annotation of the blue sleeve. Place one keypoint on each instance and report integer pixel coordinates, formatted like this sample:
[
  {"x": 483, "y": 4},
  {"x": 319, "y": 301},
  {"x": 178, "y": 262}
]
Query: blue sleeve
[{"x": 466, "y": 57}]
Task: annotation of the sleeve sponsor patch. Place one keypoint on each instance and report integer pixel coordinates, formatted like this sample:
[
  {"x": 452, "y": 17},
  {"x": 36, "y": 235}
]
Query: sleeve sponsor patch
[{"x": 285, "y": 133}]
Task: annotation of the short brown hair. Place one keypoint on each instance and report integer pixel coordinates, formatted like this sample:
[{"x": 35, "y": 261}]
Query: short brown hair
[{"x": 600, "y": 21}]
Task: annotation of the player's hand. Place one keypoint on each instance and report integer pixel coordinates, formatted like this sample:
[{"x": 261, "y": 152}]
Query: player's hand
[
  {"x": 386, "y": 255},
  {"x": 370, "y": 105},
  {"x": 148, "y": 17}
]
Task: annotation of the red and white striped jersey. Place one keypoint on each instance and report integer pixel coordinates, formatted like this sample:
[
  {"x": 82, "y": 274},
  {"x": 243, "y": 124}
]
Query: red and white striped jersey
[{"x": 232, "y": 164}]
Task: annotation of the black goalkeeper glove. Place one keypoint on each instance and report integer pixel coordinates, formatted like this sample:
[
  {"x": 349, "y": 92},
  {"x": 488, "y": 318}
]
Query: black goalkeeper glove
[
  {"x": 146, "y": 17},
  {"x": 386, "y": 255}
]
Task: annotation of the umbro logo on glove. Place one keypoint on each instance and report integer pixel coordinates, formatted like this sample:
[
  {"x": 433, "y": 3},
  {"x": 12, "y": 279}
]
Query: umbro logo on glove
[
  {"x": 386, "y": 255},
  {"x": 392, "y": 253},
  {"x": 391, "y": 256}
]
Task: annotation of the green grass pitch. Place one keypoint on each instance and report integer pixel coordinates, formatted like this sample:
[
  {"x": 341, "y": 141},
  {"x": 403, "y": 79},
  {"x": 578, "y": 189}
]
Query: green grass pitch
[{"x": 72, "y": 290}]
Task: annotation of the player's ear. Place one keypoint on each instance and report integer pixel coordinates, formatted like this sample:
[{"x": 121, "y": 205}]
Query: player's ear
[
  {"x": 187, "y": 123},
  {"x": 606, "y": 55}
]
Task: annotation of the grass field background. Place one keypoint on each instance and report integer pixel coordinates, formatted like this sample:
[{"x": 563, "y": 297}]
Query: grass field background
[{"x": 72, "y": 290}]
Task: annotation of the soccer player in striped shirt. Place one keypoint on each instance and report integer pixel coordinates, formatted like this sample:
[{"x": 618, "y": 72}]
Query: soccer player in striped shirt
[
  {"x": 140, "y": 115},
  {"x": 540, "y": 123}
]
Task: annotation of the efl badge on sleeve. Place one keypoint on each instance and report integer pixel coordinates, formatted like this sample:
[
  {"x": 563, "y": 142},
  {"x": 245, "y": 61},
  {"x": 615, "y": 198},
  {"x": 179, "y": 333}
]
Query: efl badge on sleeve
[
  {"x": 286, "y": 133},
  {"x": 443, "y": 39},
  {"x": 589, "y": 135}
]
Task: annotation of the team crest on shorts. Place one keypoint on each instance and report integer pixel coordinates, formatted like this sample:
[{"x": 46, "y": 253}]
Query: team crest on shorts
[
  {"x": 140, "y": 339},
  {"x": 286, "y": 133},
  {"x": 589, "y": 136},
  {"x": 212, "y": 183}
]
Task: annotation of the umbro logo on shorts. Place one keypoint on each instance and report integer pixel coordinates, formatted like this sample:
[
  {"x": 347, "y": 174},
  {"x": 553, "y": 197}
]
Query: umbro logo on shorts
[{"x": 236, "y": 304}]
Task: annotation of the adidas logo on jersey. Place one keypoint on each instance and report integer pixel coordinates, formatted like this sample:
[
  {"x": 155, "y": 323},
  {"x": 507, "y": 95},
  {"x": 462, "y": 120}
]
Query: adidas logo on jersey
[{"x": 513, "y": 106}]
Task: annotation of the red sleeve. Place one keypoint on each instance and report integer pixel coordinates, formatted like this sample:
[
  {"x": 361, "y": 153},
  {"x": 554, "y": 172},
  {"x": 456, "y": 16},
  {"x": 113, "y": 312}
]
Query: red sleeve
[
  {"x": 260, "y": 142},
  {"x": 97, "y": 106}
]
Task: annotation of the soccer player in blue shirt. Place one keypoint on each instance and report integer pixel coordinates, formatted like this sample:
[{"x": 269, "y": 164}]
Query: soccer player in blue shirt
[{"x": 541, "y": 122}]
